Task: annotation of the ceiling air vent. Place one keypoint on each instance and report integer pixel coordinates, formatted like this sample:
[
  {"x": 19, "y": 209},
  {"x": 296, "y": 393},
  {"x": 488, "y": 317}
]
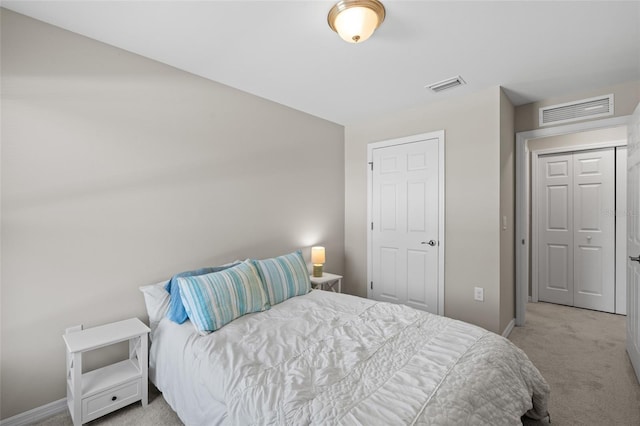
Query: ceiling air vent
[
  {"x": 600, "y": 106},
  {"x": 449, "y": 83}
]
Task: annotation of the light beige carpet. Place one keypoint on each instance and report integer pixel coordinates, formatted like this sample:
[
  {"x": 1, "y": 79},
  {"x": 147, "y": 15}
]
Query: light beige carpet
[
  {"x": 157, "y": 413},
  {"x": 581, "y": 354}
]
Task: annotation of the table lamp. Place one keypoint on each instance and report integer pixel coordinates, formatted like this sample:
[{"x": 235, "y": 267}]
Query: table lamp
[{"x": 317, "y": 258}]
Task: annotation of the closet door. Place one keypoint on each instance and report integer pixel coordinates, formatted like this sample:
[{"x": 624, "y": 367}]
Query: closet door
[
  {"x": 594, "y": 229},
  {"x": 555, "y": 229}
]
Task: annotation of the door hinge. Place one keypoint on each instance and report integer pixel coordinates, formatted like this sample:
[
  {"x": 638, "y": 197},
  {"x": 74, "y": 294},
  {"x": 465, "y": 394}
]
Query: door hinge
[
  {"x": 372, "y": 226},
  {"x": 371, "y": 164},
  {"x": 371, "y": 285}
]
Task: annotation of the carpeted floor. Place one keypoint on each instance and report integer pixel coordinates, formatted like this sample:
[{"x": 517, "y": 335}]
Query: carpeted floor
[
  {"x": 157, "y": 413},
  {"x": 581, "y": 354}
]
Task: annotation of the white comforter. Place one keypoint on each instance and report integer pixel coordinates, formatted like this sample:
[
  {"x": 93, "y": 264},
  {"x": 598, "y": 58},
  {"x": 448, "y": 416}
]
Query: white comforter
[{"x": 327, "y": 358}]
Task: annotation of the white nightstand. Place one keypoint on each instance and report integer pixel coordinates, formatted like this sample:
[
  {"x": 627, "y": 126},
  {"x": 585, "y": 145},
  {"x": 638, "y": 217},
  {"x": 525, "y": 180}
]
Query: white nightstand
[
  {"x": 98, "y": 392},
  {"x": 327, "y": 282}
]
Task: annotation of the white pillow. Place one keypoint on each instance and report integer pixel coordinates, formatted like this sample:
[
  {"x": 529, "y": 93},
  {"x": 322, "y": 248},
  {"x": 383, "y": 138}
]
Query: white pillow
[{"x": 156, "y": 298}]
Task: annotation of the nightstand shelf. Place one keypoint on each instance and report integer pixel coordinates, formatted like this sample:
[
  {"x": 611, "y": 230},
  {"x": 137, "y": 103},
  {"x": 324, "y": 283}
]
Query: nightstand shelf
[
  {"x": 110, "y": 376},
  {"x": 95, "y": 393},
  {"x": 327, "y": 282}
]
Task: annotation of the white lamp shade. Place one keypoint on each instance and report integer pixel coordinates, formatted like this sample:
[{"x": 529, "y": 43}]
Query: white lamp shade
[
  {"x": 356, "y": 24},
  {"x": 317, "y": 255}
]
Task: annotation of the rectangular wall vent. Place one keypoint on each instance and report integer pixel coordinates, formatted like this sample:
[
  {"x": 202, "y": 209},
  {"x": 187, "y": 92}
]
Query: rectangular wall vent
[
  {"x": 600, "y": 106},
  {"x": 449, "y": 83}
]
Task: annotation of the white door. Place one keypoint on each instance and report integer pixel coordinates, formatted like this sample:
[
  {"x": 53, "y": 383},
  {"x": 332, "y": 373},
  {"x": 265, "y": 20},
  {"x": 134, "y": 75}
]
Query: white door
[
  {"x": 594, "y": 230},
  {"x": 404, "y": 224},
  {"x": 555, "y": 224},
  {"x": 576, "y": 231},
  {"x": 633, "y": 242}
]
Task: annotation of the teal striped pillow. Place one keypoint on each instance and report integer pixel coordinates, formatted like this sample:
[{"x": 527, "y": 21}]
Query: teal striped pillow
[
  {"x": 284, "y": 276},
  {"x": 216, "y": 299}
]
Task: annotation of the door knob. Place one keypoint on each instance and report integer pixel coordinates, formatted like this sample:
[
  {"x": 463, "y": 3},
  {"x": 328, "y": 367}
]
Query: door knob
[
  {"x": 431, "y": 243},
  {"x": 635, "y": 259}
]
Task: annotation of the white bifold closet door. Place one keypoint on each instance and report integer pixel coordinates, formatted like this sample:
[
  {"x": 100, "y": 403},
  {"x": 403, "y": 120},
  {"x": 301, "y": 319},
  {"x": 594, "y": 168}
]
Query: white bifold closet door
[{"x": 576, "y": 229}]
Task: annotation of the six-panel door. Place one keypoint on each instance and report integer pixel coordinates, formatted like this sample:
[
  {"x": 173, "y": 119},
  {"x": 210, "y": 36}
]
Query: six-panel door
[
  {"x": 633, "y": 241},
  {"x": 405, "y": 224}
]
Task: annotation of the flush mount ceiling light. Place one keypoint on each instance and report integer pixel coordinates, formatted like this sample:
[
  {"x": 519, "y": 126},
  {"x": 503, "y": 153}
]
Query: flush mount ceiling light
[{"x": 356, "y": 20}]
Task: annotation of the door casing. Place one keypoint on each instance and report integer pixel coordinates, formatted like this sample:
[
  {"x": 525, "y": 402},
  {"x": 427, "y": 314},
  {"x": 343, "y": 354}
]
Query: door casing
[
  {"x": 441, "y": 208},
  {"x": 523, "y": 178}
]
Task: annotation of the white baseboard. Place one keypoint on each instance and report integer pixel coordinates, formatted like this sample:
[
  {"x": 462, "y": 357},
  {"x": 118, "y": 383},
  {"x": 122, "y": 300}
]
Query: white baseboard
[
  {"x": 507, "y": 330},
  {"x": 37, "y": 414}
]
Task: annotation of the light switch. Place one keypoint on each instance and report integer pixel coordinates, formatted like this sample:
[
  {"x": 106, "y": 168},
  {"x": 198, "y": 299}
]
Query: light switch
[{"x": 478, "y": 294}]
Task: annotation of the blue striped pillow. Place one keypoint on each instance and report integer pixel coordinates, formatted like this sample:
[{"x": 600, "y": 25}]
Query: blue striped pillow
[
  {"x": 176, "y": 312},
  {"x": 284, "y": 276},
  {"x": 216, "y": 299}
]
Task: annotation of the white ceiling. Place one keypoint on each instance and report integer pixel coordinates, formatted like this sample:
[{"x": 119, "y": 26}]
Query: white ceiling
[{"x": 284, "y": 50}]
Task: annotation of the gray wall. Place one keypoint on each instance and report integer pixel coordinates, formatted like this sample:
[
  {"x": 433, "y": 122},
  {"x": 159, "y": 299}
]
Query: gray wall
[
  {"x": 472, "y": 198},
  {"x": 118, "y": 171},
  {"x": 507, "y": 210},
  {"x": 625, "y": 96}
]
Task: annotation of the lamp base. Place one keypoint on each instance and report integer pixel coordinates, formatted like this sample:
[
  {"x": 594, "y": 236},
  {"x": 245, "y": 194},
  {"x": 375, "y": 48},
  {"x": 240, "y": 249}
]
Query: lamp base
[{"x": 317, "y": 271}]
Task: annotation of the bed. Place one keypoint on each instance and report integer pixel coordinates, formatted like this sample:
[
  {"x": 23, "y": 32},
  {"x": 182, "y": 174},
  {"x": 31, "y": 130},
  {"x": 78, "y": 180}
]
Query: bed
[{"x": 328, "y": 358}]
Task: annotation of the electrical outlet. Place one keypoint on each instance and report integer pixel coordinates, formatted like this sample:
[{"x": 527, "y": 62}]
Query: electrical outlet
[{"x": 478, "y": 294}]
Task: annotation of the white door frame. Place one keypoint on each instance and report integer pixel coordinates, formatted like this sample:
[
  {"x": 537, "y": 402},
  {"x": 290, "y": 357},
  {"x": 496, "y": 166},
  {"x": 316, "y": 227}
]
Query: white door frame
[
  {"x": 535, "y": 154},
  {"x": 399, "y": 141},
  {"x": 523, "y": 179},
  {"x": 621, "y": 229}
]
